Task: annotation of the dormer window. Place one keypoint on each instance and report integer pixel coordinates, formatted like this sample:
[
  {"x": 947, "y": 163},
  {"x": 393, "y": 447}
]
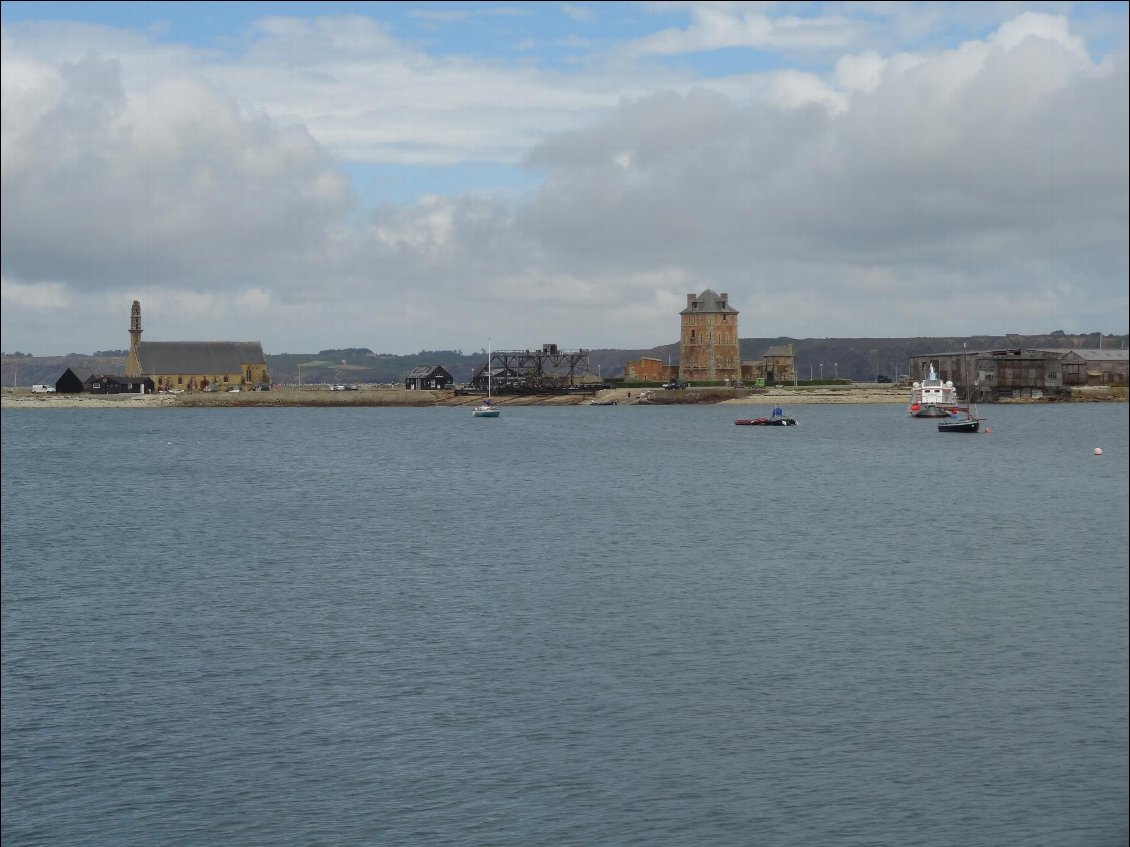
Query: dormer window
[{"x": 694, "y": 305}]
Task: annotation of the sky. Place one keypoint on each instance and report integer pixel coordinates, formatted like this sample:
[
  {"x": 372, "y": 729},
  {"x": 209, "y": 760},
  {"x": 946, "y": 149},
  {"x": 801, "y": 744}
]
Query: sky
[{"x": 443, "y": 176}]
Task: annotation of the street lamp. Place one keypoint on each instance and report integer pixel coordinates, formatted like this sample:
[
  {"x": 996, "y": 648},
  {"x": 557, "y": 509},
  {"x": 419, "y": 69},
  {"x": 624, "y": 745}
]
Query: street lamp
[
  {"x": 836, "y": 365},
  {"x": 821, "y": 370}
]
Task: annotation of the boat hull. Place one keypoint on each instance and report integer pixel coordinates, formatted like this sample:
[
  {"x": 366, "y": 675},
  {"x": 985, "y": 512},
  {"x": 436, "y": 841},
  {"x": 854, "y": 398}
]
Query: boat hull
[
  {"x": 930, "y": 410},
  {"x": 485, "y": 413},
  {"x": 765, "y": 422},
  {"x": 959, "y": 426}
]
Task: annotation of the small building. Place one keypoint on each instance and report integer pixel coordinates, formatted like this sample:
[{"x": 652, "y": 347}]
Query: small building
[
  {"x": 780, "y": 364},
  {"x": 428, "y": 377},
  {"x": 649, "y": 369},
  {"x": 500, "y": 380},
  {"x": 107, "y": 384},
  {"x": 1095, "y": 366},
  {"x": 69, "y": 383},
  {"x": 776, "y": 368}
]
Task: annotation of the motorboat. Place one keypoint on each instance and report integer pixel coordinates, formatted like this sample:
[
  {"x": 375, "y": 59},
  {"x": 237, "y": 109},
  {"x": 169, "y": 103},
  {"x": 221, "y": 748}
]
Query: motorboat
[
  {"x": 932, "y": 397},
  {"x": 778, "y": 418}
]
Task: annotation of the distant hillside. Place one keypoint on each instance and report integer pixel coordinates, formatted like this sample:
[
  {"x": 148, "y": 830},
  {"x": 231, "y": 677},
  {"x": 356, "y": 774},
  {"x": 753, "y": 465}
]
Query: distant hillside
[{"x": 857, "y": 359}]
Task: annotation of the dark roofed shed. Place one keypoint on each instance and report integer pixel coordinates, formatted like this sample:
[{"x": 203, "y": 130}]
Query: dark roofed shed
[
  {"x": 113, "y": 384},
  {"x": 428, "y": 377},
  {"x": 69, "y": 383}
]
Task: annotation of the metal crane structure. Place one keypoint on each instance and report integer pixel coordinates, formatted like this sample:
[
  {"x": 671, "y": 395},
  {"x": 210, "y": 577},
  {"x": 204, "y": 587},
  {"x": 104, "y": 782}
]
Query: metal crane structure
[{"x": 543, "y": 371}]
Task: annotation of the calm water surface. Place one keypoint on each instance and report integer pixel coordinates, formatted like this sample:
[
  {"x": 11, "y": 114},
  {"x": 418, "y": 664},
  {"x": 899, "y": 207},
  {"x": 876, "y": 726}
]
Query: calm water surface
[{"x": 572, "y": 626}]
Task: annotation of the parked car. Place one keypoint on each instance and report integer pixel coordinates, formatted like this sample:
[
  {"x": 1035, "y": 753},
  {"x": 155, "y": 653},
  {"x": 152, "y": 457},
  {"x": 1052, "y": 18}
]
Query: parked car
[
  {"x": 340, "y": 387},
  {"x": 883, "y": 378},
  {"x": 42, "y": 389}
]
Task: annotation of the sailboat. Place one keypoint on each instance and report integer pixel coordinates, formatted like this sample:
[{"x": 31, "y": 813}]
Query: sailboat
[
  {"x": 963, "y": 418},
  {"x": 486, "y": 410}
]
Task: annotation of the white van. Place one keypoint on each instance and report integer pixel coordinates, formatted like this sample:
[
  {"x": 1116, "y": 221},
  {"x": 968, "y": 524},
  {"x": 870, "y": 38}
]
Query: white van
[{"x": 43, "y": 389}]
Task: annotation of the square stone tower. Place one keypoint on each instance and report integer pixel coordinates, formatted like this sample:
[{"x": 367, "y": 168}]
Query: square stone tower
[{"x": 708, "y": 343}]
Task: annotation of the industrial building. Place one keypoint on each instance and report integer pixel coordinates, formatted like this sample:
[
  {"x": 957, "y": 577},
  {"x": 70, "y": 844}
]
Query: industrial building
[{"x": 989, "y": 375}]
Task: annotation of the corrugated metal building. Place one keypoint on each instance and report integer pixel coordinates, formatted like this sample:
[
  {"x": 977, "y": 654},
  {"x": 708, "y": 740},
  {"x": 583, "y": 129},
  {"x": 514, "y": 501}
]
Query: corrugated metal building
[{"x": 1015, "y": 373}]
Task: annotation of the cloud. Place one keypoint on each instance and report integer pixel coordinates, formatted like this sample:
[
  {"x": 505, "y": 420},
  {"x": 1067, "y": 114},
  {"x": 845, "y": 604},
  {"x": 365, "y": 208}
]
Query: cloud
[
  {"x": 176, "y": 185},
  {"x": 998, "y": 168},
  {"x": 577, "y": 12},
  {"x": 721, "y": 26},
  {"x": 896, "y": 192}
]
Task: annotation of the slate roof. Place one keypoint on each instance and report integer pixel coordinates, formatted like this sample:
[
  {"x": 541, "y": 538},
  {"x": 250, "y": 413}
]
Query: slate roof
[
  {"x": 120, "y": 380},
  {"x": 710, "y": 301},
  {"x": 784, "y": 350},
  {"x": 1090, "y": 354},
  {"x": 425, "y": 371},
  {"x": 1095, "y": 354},
  {"x": 198, "y": 357}
]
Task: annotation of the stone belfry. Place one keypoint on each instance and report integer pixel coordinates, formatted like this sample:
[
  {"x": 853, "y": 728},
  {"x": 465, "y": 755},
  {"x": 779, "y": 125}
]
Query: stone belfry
[{"x": 133, "y": 360}]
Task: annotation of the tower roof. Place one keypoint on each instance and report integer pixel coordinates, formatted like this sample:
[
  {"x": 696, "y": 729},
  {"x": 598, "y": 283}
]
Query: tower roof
[{"x": 709, "y": 301}]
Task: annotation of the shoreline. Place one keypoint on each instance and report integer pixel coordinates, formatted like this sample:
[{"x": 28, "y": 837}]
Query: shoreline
[{"x": 385, "y": 397}]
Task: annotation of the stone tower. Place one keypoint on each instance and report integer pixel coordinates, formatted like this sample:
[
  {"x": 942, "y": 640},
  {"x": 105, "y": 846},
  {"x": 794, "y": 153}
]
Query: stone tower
[
  {"x": 708, "y": 344},
  {"x": 133, "y": 361}
]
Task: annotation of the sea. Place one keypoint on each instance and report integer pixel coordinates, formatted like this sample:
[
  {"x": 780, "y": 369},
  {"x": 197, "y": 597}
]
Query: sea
[{"x": 621, "y": 625}]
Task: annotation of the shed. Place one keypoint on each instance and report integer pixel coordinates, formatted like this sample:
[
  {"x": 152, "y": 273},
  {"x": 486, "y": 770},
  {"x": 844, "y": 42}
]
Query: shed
[
  {"x": 1095, "y": 366},
  {"x": 428, "y": 377},
  {"x": 68, "y": 383},
  {"x": 502, "y": 379},
  {"x": 107, "y": 384}
]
